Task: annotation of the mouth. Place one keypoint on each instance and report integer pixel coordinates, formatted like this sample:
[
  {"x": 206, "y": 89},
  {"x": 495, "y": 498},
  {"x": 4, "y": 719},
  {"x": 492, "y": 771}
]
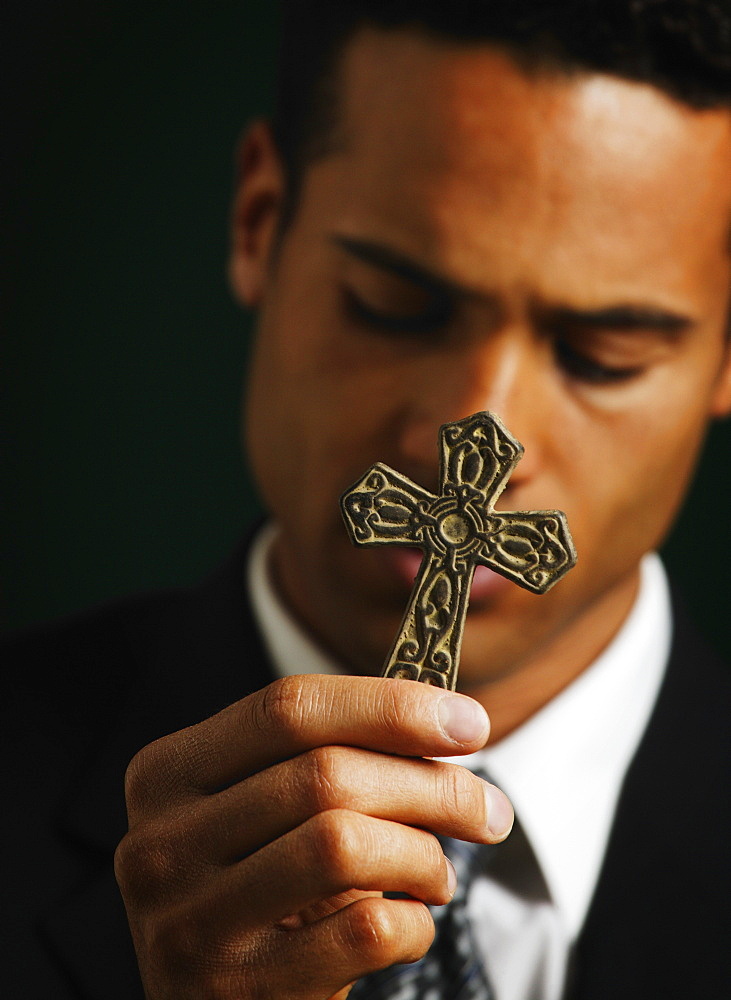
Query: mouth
[{"x": 404, "y": 564}]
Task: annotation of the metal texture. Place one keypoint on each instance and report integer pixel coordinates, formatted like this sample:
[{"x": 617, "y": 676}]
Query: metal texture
[{"x": 457, "y": 530}]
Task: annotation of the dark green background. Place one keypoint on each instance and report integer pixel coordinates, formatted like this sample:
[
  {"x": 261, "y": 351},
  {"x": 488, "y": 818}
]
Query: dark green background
[{"x": 123, "y": 352}]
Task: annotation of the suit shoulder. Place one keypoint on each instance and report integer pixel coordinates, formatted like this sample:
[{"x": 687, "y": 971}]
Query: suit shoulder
[{"x": 73, "y": 671}]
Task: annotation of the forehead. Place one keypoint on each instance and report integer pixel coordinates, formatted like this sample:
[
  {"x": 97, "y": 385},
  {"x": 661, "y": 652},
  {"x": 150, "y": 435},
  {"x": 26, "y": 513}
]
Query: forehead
[
  {"x": 454, "y": 145},
  {"x": 418, "y": 97}
]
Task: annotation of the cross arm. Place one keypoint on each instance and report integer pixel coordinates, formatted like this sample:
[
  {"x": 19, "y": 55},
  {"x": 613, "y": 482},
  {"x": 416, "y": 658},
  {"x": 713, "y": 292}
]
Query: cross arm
[
  {"x": 479, "y": 453},
  {"x": 385, "y": 507},
  {"x": 532, "y": 548}
]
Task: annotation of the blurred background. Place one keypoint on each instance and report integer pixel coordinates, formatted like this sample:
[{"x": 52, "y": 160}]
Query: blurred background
[{"x": 123, "y": 353}]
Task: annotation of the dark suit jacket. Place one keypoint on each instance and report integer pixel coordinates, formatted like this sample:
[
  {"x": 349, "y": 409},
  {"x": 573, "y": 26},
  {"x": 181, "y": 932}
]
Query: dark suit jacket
[{"x": 81, "y": 697}]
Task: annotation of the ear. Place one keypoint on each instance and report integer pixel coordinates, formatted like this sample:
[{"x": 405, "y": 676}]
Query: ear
[
  {"x": 721, "y": 399},
  {"x": 256, "y": 211}
]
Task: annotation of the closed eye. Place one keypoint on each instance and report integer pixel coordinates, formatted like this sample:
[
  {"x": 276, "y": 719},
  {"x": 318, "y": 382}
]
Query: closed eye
[
  {"x": 613, "y": 345},
  {"x": 585, "y": 369},
  {"x": 429, "y": 320}
]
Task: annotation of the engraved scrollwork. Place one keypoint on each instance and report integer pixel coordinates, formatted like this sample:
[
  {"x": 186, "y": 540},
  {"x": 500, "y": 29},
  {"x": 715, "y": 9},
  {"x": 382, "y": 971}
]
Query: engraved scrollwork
[
  {"x": 357, "y": 508},
  {"x": 375, "y": 480},
  {"x": 534, "y": 549},
  {"x": 435, "y": 604},
  {"x": 516, "y": 545},
  {"x": 385, "y": 507},
  {"x": 395, "y": 512},
  {"x": 404, "y": 671},
  {"x": 478, "y": 451},
  {"x": 457, "y": 530},
  {"x": 410, "y": 651},
  {"x": 441, "y": 660},
  {"x": 435, "y": 677}
]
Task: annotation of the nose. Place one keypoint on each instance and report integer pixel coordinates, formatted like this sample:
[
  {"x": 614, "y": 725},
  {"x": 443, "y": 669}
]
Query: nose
[{"x": 503, "y": 374}]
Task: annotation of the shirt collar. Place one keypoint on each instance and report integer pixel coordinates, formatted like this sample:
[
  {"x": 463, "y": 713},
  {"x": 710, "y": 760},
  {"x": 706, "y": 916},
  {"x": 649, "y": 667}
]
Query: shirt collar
[{"x": 290, "y": 647}]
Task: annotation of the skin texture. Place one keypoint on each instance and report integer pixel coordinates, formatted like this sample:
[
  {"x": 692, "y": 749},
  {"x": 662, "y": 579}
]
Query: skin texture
[{"x": 571, "y": 242}]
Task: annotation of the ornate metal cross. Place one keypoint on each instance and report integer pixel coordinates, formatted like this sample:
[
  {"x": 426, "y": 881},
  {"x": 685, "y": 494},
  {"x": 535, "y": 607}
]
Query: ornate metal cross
[{"x": 457, "y": 530}]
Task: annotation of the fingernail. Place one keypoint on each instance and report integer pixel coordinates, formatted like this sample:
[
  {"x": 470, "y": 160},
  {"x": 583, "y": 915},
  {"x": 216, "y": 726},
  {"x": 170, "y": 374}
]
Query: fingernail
[
  {"x": 500, "y": 816},
  {"x": 463, "y": 719},
  {"x": 451, "y": 877}
]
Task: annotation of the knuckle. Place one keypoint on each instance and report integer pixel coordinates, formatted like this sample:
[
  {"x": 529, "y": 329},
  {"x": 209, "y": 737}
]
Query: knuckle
[
  {"x": 434, "y": 858},
  {"x": 135, "y": 866},
  {"x": 282, "y": 706},
  {"x": 140, "y": 772},
  {"x": 149, "y": 861},
  {"x": 337, "y": 846},
  {"x": 462, "y": 797},
  {"x": 374, "y": 933},
  {"x": 430, "y": 863},
  {"x": 397, "y": 706},
  {"x": 122, "y": 864},
  {"x": 161, "y": 770},
  {"x": 324, "y": 777},
  {"x": 382, "y": 934}
]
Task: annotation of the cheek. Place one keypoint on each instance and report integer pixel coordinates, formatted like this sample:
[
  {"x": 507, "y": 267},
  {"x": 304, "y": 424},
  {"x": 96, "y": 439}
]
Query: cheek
[
  {"x": 311, "y": 414},
  {"x": 637, "y": 476}
]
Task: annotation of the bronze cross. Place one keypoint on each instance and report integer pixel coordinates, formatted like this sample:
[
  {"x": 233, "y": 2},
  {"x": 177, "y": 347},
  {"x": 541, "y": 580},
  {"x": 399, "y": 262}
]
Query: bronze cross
[{"x": 456, "y": 530}]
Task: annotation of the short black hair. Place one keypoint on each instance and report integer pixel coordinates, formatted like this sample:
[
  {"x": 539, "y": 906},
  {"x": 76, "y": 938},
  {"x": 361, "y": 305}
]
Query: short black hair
[{"x": 683, "y": 47}]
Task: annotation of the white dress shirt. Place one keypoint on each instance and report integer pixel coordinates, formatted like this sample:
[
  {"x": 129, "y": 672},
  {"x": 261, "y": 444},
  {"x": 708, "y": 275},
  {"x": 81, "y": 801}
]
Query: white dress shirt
[{"x": 562, "y": 769}]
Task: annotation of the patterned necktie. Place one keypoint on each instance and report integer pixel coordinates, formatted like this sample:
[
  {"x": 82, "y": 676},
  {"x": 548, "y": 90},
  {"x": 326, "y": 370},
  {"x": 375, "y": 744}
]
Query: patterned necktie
[{"x": 452, "y": 968}]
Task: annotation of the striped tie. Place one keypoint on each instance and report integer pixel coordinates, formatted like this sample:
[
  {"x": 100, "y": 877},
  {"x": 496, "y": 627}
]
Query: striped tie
[{"x": 452, "y": 968}]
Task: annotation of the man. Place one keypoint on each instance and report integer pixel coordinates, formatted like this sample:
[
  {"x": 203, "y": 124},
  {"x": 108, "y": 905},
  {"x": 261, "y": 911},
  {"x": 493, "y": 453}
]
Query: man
[{"x": 457, "y": 210}]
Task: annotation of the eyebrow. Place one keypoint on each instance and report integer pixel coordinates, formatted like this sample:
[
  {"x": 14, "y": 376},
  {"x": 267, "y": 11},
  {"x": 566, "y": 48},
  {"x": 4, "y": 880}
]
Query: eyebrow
[
  {"x": 391, "y": 260},
  {"x": 624, "y": 317},
  {"x": 620, "y": 317}
]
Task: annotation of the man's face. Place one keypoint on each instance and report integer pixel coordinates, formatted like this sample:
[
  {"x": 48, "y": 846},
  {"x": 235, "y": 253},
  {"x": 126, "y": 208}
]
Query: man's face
[{"x": 553, "y": 249}]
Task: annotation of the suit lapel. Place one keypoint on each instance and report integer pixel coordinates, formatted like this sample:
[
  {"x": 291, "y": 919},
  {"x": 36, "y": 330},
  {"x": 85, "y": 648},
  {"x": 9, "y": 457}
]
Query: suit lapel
[{"x": 661, "y": 905}]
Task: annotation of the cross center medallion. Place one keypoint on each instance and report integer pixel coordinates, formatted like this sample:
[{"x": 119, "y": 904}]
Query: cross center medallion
[{"x": 457, "y": 530}]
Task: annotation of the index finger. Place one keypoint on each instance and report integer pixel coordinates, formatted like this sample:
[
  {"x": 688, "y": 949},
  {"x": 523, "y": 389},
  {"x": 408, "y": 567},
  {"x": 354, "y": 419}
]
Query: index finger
[{"x": 300, "y": 713}]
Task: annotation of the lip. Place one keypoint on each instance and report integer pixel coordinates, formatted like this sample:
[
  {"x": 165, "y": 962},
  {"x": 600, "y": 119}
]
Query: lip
[{"x": 404, "y": 563}]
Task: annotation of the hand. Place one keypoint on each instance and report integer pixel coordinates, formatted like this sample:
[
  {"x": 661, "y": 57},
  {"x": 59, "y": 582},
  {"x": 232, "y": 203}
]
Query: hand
[{"x": 260, "y": 840}]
